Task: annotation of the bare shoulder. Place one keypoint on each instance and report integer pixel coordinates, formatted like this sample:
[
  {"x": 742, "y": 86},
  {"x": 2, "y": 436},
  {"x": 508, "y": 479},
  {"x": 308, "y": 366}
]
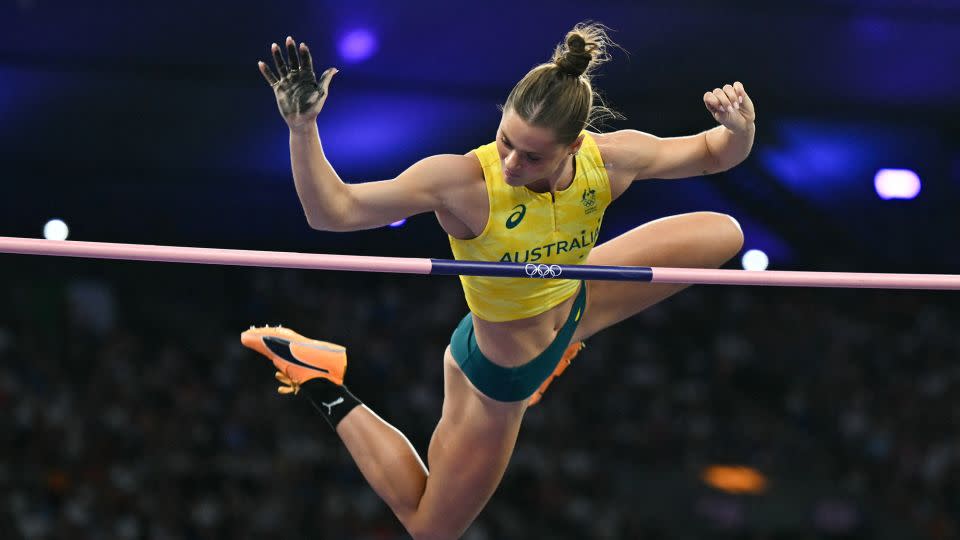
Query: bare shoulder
[
  {"x": 444, "y": 175},
  {"x": 466, "y": 208},
  {"x": 460, "y": 173},
  {"x": 471, "y": 163},
  {"x": 432, "y": 184},
  {"x": 625, "y": 146},
  {"x": 451, "y": 169},
  {"x": 624, "y": 153},
  {"x": 462, "y": 163}
]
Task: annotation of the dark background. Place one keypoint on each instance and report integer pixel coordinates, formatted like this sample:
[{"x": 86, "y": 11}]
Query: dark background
[{"x": 130, "y": 411}]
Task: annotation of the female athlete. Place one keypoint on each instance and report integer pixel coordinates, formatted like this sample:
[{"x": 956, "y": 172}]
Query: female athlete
[{"x": 536, "y": 194}]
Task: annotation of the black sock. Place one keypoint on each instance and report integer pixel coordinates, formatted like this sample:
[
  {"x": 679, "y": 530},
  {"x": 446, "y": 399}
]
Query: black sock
[{"x": 331, "y": 400}]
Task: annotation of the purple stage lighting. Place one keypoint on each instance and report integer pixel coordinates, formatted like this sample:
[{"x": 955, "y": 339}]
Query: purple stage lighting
[
  {"x": 398, "y": 223},
  {"x": 896, "y": 184},
  {"x": 357, "y": 45}
]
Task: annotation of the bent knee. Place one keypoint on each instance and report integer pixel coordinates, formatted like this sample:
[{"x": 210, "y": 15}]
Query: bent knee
[
  {"x": 433, "y": 532},
  {"x": 726, "y": 234},
  {"x": 734, "y": 234}
]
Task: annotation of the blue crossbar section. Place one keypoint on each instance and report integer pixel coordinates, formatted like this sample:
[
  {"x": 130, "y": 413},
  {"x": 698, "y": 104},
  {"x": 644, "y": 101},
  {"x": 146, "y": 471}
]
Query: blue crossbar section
[{"x": 540, "y": 271}]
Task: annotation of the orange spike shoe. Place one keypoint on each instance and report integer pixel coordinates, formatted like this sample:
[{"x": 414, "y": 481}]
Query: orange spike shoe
[
  {"x": 300, "y": 359},
  {"x": 562, "y": 365}
]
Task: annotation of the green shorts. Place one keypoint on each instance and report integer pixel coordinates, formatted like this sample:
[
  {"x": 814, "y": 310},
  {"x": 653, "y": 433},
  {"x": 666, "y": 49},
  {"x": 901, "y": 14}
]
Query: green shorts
[{"x": 515, "y": 383}]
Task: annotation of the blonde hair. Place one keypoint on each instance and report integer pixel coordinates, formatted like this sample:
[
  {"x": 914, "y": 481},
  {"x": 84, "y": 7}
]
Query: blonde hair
[{"x": 558, "y": 94}]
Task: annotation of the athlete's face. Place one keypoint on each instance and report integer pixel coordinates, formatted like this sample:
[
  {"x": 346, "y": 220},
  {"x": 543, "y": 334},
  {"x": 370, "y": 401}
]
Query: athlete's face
[{"x": 528, "y": 153}]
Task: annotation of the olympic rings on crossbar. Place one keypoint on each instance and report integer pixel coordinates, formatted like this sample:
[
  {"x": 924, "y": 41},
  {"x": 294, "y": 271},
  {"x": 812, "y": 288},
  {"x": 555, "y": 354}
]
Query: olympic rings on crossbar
[{"x": 543, "y": 270}]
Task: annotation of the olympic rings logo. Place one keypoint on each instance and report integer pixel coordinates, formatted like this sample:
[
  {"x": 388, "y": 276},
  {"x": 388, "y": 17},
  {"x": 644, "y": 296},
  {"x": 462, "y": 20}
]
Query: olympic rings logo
[{"x": 542, "y": 270}]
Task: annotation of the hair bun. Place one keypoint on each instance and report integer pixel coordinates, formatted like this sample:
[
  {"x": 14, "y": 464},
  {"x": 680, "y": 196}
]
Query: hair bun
[
  {"x": 558, "y": 94},
  {"x": 575, "y": 59},
  {"x": 584, "y": 48}
]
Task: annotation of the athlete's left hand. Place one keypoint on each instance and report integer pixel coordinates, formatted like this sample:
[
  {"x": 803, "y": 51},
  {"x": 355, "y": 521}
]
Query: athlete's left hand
[{"x": 731, "y": 106}]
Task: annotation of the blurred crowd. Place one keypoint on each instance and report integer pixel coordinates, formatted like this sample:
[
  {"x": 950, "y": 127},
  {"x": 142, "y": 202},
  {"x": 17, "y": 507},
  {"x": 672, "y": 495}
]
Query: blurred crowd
[{"x": 130, "y": 410}]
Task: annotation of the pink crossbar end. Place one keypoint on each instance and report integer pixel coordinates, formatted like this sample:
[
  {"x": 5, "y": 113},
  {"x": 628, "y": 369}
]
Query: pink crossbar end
[
  {"x": 232, "y": 257},
  {"x": 806, "y": 279}
]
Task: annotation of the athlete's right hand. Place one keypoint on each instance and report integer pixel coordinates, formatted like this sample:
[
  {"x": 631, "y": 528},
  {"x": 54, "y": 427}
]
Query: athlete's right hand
[{"x": 299, "y": 95}]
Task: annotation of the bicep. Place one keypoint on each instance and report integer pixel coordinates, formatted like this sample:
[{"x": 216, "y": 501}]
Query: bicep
[
  {"x": 421, "y": 188},
  {"x": 647, "y": 156}
]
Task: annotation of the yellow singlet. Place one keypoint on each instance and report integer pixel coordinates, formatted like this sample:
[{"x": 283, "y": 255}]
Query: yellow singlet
[{"x": 529, "y": 227}]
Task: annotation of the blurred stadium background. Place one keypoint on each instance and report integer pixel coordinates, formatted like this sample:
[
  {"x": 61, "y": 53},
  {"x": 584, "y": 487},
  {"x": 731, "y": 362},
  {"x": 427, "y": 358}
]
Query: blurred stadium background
[{"x": 128, "y": 409}]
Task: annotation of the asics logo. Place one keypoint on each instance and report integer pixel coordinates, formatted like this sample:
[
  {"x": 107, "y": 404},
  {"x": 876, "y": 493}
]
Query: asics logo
[
  {"x": 542, "y": 270},
  {"x": 516, "y": 217},
  {"x": 332, "y": 404}
]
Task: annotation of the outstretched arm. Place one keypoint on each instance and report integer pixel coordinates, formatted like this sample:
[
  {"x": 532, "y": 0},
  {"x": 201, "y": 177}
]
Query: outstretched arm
[
  {"x": 328, "y": 202},
  {"x": 634, "y": 155}
]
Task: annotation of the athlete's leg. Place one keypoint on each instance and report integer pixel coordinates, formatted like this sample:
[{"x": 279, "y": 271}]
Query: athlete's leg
[
  {"x": 315, "y": 370},
  {"x": 469, "y": 451},
  {"x": 468, "y": 454},
  {"x": 386, "y": 459},
  {"x": 697, "y": 240}
]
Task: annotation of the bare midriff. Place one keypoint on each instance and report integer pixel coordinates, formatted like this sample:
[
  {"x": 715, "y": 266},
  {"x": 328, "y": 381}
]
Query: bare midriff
[{"x": 514, "y": 343}]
